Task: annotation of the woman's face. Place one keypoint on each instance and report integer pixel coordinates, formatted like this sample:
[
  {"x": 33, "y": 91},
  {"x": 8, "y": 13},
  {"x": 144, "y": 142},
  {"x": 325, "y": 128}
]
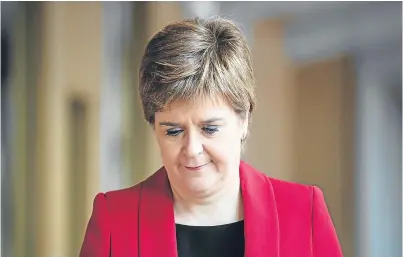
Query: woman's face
[{"x": 200, "y": 145}]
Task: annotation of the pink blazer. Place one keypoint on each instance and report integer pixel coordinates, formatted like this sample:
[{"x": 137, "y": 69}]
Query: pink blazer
[{"x": 282, "y": 219}]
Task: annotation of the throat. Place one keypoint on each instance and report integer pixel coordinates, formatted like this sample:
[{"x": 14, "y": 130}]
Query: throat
[{"x": 219, "y": 209}]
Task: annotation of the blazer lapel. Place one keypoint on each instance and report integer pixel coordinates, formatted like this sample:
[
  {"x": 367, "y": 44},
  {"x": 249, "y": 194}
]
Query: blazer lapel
[
  {"x": 260, "y": 214},
  {"x": 157, "y": 234}
]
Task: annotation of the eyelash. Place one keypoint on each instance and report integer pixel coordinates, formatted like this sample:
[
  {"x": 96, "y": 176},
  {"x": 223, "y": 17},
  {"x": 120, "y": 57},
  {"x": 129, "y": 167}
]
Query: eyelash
[{"x": 175, "y": 132}]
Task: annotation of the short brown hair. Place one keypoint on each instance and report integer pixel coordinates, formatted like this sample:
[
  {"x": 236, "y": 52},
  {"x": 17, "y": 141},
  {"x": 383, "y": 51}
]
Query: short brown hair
[{"x": 197, "y": 58}]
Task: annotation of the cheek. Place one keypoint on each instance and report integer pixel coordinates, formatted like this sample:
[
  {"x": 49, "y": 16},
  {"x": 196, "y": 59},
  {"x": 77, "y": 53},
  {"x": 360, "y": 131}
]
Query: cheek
[
  {"x": 170, "y": 150},
  {"x": 225, "y": 148}
]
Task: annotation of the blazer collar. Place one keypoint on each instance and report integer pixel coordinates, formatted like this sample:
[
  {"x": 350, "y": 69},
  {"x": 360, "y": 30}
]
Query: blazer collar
[{"x": 157, "y": 236}]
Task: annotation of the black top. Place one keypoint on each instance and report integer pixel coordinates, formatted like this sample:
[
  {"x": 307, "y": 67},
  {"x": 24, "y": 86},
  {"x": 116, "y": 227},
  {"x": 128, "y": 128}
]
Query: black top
[{"x": 211, "y": 241}]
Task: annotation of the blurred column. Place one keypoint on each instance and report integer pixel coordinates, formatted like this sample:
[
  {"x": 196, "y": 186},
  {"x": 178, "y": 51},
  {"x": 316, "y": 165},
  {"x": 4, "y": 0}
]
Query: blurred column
[
  {"x": 324, "y": 133},
  {"x": 270, "y": 145},
  {"x": 117, "y": 30},
  {"x": 19, "y": 142},
  {"x": 68, "y": 124},
  {"x": 141, "y": 153},
  {"x": 7, "y": 104},
  {"x": 379, "y": 153},
  {"x": 20, "y": 174},
  {"x": 201, "y": 9}
]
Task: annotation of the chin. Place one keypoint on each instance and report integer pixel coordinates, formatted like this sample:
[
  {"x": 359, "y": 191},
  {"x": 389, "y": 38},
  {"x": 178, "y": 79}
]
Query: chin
[
  {"x": 198, "y": 188},
  {"x": 201, "y": 185},
  {"x": 197, "y": 182}
]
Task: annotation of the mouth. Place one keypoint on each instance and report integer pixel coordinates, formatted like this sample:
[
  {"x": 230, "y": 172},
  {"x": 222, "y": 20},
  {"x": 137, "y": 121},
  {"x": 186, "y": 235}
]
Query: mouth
[{"x": 197, "y": 167}]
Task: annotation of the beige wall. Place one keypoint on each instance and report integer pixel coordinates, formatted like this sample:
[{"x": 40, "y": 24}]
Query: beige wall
[
  {"x": 70, "y": 72},
  {"x": 303, "y": 128},
  {"x": 270, "y": 146},
  {"x": 324, "y": 132}
]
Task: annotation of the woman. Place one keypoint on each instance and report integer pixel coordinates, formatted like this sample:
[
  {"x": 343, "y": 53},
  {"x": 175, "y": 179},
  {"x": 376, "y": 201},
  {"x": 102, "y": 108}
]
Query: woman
[{"x": 197, "y": 91}]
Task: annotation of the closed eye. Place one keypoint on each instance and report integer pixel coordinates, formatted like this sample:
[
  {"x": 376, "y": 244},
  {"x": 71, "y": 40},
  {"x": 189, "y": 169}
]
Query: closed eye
[
  {"x": 174, "y": 132},
  {"x": 210, "y": 129}
]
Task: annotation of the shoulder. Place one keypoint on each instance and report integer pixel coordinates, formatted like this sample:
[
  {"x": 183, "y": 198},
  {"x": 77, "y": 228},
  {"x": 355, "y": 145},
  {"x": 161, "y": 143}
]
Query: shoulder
[
  {"x": 279, "y": 186},
  {"x": 294, "y": 197},
  {"x": 129, "y": 198},
  {"x": 124, "y": 195},
  {"x": 285, "y": 192},
  {"x": 295, "y": 202},
  {"x": 117, "y": 202},
  {"x": 288, "y": 189}
]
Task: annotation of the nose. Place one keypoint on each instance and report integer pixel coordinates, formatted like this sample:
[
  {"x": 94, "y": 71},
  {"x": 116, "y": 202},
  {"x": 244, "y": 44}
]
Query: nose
[{"x": 193, "y": 145}]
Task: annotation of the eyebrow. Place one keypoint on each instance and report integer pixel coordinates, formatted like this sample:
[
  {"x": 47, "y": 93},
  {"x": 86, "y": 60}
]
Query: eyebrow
[
  {"x": 173, "y": 124},
  {"x": 212, "y": 120},
  {"x": 169, "y": 124}
]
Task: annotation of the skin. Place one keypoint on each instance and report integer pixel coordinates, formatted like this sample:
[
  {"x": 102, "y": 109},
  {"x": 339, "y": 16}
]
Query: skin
[{"x": 200, "y": 146}]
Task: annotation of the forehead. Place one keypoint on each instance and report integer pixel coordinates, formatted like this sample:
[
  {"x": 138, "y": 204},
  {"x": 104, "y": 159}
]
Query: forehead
[{"x": 200, "y": 108}]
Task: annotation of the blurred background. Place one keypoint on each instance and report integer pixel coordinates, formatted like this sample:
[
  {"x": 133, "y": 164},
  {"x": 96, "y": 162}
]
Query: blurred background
[{"x": 329, "y": 113}]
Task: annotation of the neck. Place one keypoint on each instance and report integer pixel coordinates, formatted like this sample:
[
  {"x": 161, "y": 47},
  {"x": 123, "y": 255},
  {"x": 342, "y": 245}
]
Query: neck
[{"x": 221, "y": 207}]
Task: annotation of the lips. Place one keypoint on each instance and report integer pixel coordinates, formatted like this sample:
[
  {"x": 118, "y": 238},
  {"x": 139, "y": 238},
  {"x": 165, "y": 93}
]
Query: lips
[{"x": 197, "y": 167}]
